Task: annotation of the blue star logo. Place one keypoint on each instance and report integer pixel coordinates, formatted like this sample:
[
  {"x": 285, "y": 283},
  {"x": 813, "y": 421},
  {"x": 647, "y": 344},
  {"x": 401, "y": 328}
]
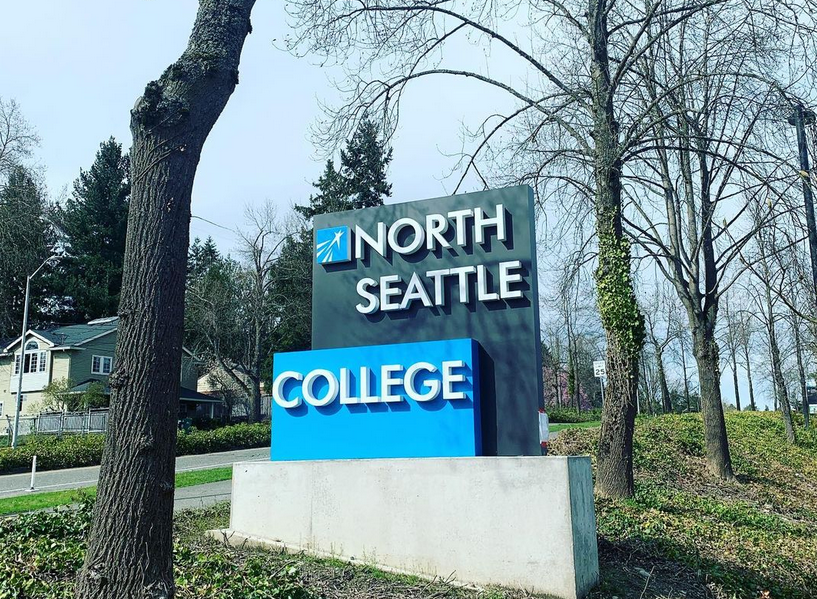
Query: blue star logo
[{"x": 332, "y": 245}]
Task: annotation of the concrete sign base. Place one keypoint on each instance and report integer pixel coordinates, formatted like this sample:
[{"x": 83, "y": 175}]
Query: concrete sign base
[{"x": 522, "y": 522}]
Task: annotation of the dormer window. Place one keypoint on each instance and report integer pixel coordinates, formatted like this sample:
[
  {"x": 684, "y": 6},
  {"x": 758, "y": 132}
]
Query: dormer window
[{"x": 35, "y": 360}]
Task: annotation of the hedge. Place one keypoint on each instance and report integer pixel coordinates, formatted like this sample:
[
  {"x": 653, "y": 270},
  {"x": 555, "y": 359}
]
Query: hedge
[
  {"x": 571, "y": 415},
  {"x": 74, "y": 451}
]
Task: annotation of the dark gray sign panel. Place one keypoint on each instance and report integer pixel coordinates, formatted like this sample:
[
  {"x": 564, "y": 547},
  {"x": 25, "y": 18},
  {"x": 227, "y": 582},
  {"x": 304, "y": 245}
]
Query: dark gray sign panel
[{"x": 456, "y": 267}]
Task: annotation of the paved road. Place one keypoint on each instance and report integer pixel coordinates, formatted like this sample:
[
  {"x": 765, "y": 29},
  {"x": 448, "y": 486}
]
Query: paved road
[{"x": 75, "y": 478}]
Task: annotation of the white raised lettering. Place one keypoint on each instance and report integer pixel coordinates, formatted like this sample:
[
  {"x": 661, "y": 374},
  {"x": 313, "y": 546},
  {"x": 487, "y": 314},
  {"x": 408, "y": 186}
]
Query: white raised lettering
[
  {"x": 417, "y": 241},
  {"x": 432, "y": 385},
  {"x": 436, "y": 227},
  {"x": 506, "y": 278},
  {"x": 463, "y": 272},
  {"x": 309, "y": 390},
  {"x": 365, "y": 386},
  {"x": 415, "y": 290},
  {"x": 278, "y": 387},
  {"x": 346, "y": 396},
  {"x": 387, "y": 381},
  {"x": 449, "y": 378},
  {"x": 459, "y": 217},
  {"x": 439, "y": 291},
  {"x": 374, "y": 303},
  {"x": 482, "y": 222},
  {"x": 483, "y": 294},
  {"x": 387, "y": 291},
  {"x": 378, "y": 245}
]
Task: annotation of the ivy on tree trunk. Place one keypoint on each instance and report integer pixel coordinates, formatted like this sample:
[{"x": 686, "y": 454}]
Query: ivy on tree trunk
[{"x": 130, "y": 546}]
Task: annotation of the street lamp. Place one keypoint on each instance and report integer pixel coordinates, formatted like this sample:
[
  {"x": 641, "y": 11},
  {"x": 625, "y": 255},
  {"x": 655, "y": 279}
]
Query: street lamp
[
  {"x": 58, "y": 253},
  {"x": 799, "y": 119}
]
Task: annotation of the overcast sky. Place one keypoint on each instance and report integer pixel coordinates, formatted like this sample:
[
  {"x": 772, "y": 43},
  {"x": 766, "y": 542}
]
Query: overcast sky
[{"x": 76, "y": 69}]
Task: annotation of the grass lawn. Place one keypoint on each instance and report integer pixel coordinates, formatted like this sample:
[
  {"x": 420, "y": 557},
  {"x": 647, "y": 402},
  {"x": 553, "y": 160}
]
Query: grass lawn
[
  {"x": 555, "y": 427},
  {"x": 38, "y": 501}
]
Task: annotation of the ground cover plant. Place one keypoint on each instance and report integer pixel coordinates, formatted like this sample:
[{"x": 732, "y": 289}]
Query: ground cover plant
[
  {"x": 42, "y": 552},
  {"x": 686, "y": 534},
  {"x": 73, "y": 451},
  {"x": 741, "y": 539}
]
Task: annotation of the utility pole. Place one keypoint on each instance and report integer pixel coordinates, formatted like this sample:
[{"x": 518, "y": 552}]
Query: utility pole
[
  {"x": 800, "y": 118},
  {"x": 19, "y": 399}
]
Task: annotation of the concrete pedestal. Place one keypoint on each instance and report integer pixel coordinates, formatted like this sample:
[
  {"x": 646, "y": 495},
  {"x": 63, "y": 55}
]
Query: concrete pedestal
[{"x": 524, "y": 522}]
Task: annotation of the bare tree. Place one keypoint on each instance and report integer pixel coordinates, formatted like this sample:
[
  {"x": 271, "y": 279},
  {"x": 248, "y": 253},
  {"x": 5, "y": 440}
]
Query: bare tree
[
  {"x": 260, "y": 248},
  {"x": 570, "y": 133},
  {"x": 731, "y": 338},
  {"x": 17, "y": 138},
  {"x": 765, "y": 310},
  {"x": 130, "y": 544},
  {"x": 658, "y": 316}
]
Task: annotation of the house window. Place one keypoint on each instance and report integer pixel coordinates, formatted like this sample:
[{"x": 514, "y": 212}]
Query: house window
[
  {"x": 35, "y": 360},
  {"x": 101, "y": 365}
]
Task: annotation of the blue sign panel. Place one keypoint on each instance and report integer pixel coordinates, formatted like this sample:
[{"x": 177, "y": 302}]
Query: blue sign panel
[
  {"x": 332, "y": 245},
  {"x": 382, "y": 401}
]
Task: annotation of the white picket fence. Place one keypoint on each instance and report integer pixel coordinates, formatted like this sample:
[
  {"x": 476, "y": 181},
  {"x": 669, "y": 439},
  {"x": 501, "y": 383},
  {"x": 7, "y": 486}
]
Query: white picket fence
[{"x": 57, "y": 423}]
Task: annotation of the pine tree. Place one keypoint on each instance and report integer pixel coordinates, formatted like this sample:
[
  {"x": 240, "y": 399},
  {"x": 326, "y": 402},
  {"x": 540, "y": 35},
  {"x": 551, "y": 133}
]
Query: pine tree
[
  {"x": 95, "y": 221},
  {"x": 359, "y": 183},
  {"x": 363, "y": 167},
  {"x": 201, "y": 257},
  {"x": 361, "y": 180}
]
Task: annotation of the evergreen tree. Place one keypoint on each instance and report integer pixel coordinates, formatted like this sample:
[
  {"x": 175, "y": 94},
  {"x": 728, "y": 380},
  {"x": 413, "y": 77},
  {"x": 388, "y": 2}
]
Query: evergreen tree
[
  {"x": 201, "y": 257},
  {"x": 363, "y": 167},
  {"x": 361, "y": 180},
  {"x": 95, "y": 221},
  {"x": 24, "y": 238},
  {"x": 359, "y": 183}
]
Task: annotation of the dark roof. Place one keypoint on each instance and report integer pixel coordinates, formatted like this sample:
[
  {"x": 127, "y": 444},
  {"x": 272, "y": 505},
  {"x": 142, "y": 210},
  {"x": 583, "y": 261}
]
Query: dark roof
[
  {"x": 74, "y": 334},
  {"x": 85, "y": 385},
  {"x": 185, "y": 394}
]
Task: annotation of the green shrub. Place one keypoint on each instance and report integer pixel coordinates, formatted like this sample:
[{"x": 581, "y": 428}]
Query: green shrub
[
  {"x": 74, "y": 451},
  {"x": 238, "y": 436},
  {"x": 570, "y": 415}
]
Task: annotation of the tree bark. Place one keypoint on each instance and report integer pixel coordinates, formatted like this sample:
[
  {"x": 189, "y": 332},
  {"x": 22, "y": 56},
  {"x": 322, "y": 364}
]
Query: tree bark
[
  {"x": 751, "y": 386},
  {"x": 686, "y": 376},
  {"x": 130, "y": 547},
  {"x": 801, "y": 372},
  {"x": 781, "y": 393},
  {"x": 705, "y": 349},
  {"x": 666, "y": 402},
  {"x": 620, "y": 316},
  {"x": 735, "y": 379}
]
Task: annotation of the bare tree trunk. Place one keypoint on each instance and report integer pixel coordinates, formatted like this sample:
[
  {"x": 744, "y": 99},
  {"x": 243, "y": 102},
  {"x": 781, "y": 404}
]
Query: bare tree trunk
[
  {"x": 620, "y": 316},
  {"x": 130, "y": 546},
  {"x": 751, "y": 387},
  {"x": 686, "y": 376},
  {"x": 735, "y": 380},
  {"x": 801, "y": 372},
  {"x": 781, "y": 393},
  {"x": 666, "y": 403},
  {"x": 780, "y": 384},
  {"x": 705, "y": 349}
]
